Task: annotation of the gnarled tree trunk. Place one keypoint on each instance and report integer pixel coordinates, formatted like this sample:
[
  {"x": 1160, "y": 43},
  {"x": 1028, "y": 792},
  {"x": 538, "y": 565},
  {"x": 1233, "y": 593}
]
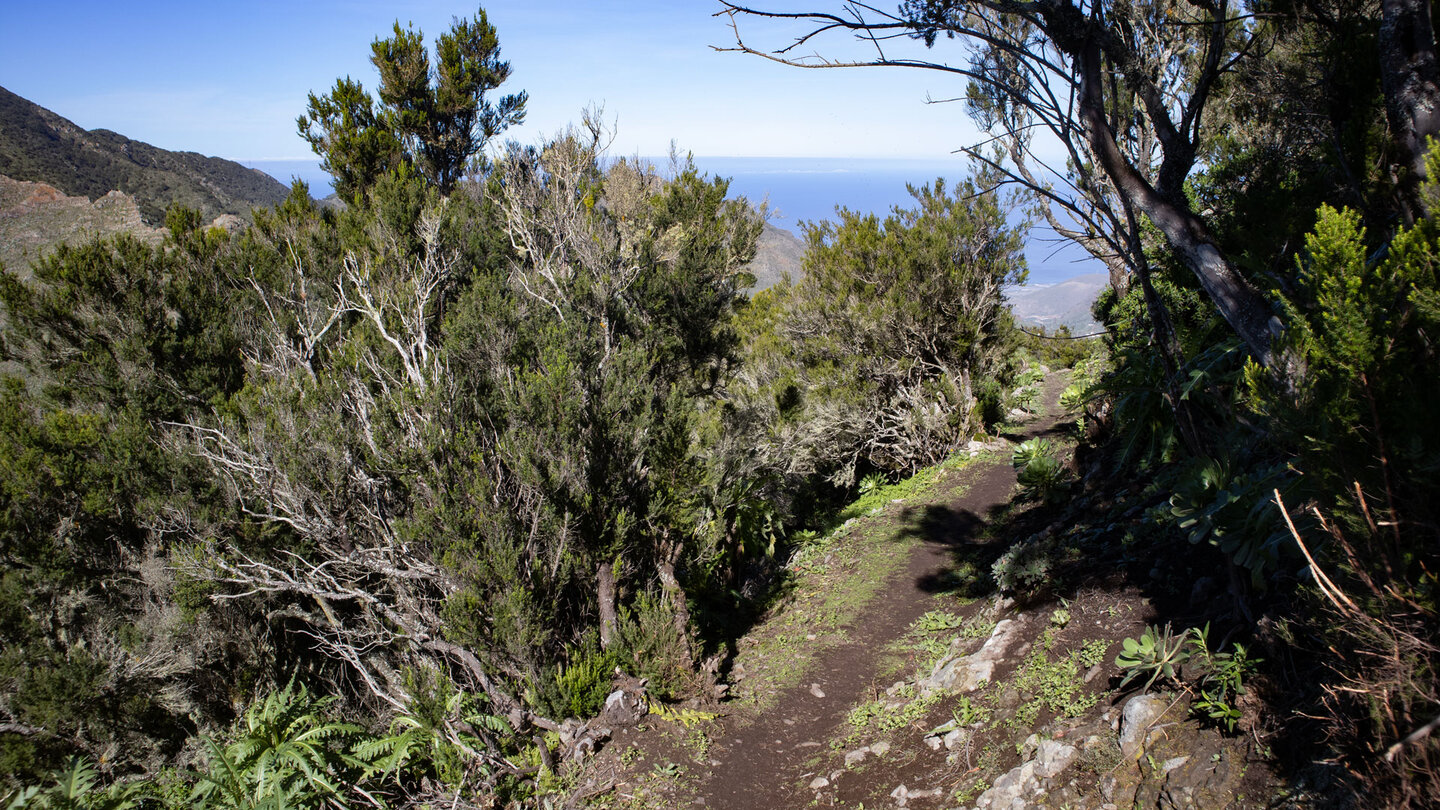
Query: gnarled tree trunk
[{"x": 1240, "y": 304}]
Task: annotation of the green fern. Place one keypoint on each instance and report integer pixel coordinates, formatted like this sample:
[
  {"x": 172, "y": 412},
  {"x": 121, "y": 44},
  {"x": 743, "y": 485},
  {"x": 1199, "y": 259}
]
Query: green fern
[
  {"x": 286, "y": 754},
  {"x": 76, "y": 787},
  {"x": 430, "y": 738}
]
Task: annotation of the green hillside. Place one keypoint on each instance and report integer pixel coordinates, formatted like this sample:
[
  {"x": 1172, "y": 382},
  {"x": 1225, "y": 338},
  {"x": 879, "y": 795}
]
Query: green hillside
[{"x": 38, "y": 145}]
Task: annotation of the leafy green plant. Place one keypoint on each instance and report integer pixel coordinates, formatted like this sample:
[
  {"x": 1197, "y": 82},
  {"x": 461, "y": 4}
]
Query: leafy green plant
[
  {"x": 1031, "y": 373},
  {"x": 668, "y": 770},
  {"x": 689, "y": 718},
  {"x": 864, "y": 714},
  {"x": 1050, "y": 684},
  {"x": 1158, "y": 652},
  {"x": 1038, "y": 469},
  {"x": 653, "y": 646},
  {"x": 584, "y": 684},
  {"x": 1026, "y": 398},
  {"x": 1223, "y": 681},
  {"x": 76, "y": 787},
  {"x": 1092, "y": 652},
  {"x": 989, "y": 401},
  {"x": 436, "y": 736},
  {"x": 967, "y": 712},
  {"x": 1034, "y": 565},
  {"x": 1060, "y": 617},
  {"x": 899, "y": 346},
  {"x": 872, "y": 482},
  {"x": 1024, "y": 568},
  {"x": 884, "y": 716},
  {"x": 937, "y": 621},
  {"x": 1233, "y": 512},
  {"x": 285, "y": 753}
]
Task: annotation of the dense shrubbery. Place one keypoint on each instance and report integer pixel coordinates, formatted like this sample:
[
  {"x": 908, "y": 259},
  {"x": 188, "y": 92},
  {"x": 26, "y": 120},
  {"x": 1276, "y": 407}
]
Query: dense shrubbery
[
  {"x": 895, "y": 347},
  {"x": 356, "y": 445},
  {"x": 449, "y": 460},
  {"x": 1344, "y": 441},
  {"x": 439, "y": 463}
]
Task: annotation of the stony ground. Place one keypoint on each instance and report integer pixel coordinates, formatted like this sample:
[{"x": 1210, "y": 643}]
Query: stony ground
[{"x": 892, "y": 675}]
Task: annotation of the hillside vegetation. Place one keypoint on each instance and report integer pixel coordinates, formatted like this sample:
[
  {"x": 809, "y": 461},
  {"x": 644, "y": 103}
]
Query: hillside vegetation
[
  {"x": 39, "y": 146},
  {"x": 436, "y": 463},
  {"x": 778, "y": 254},
  {"x": 449, "y": 496}
]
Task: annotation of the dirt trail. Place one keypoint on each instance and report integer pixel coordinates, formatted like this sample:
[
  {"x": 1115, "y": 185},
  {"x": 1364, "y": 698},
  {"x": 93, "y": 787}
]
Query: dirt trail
[{"x": 764, "y": 762}]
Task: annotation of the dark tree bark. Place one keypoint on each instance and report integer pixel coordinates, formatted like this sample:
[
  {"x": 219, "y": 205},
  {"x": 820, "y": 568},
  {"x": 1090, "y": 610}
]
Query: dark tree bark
[
  {"x": 1410, "y": 77},
  {"x": 1240, "y": 304},
  {"x": 1080, "y": 48}
]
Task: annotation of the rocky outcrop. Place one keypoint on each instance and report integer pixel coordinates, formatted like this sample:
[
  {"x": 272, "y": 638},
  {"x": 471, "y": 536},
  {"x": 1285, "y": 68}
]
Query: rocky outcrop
[
  {"x": 36, "y": 217},
  {"x": 1136, "y": 722},
  {"x": 957, "y": 672},
  {"x": 1018, "y": 788}
]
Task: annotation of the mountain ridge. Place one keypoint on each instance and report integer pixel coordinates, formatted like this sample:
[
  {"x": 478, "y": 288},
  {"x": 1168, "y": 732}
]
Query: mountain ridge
[
  {"x": 39, "y": 145},
  {"x": 779, "y": 253},
  {"x": 1063, "y": 303},
  {"x": 36, "y": 217}
]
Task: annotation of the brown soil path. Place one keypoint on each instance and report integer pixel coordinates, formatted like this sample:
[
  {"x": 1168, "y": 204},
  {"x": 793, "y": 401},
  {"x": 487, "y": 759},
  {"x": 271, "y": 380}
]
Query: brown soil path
[{"x": 766, "y": 762}]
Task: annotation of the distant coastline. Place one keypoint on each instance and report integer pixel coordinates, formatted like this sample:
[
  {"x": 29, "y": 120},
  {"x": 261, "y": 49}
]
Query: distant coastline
[{"x": 804, "y": 190}]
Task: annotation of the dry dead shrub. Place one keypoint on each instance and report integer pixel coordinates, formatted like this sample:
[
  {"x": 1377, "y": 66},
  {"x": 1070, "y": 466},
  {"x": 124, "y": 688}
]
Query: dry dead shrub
[{"x": 1381, "y": 703}]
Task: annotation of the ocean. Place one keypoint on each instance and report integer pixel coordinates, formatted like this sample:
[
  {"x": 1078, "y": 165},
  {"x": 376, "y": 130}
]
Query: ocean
[{"x": 808, "y": 190}]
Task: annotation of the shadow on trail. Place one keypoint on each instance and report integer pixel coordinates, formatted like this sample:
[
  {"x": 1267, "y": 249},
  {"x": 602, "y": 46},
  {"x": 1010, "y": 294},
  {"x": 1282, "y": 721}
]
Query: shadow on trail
[
  {"x": 1020, "y": 433},
  {"x": 967, "y": 540}
]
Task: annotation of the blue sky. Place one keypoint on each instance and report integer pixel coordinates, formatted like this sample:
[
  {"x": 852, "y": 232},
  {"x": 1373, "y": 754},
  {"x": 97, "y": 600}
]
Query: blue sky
[{"x": 229, "y": 79}]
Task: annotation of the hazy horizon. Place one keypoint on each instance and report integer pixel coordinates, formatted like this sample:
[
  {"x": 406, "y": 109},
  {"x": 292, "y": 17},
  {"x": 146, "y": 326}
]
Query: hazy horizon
[{"x": 806, "y": 190}]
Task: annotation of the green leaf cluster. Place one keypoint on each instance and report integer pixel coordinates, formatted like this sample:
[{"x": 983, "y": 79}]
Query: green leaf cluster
[
  {"x": 1158, "y": 653},
  {"x": 1041, "y": 474}
]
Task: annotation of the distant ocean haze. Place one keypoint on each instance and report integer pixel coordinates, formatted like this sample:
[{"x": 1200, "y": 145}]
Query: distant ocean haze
[
  {"x": 805, "y": 190},
  {"x": 287, "y": 171}
]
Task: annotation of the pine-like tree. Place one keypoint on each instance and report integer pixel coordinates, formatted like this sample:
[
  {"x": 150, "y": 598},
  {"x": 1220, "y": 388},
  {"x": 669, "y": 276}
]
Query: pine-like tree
[{"x": 435, "y": 118}]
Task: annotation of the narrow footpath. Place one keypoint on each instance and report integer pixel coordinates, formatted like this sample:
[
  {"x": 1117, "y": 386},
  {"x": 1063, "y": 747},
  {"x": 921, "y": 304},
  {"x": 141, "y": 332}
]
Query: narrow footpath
[{"x": 764, "y": 759}]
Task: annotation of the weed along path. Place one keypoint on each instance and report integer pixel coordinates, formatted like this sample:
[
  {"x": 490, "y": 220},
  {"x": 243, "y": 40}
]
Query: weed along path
[{"x": 839, "y": 641}]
